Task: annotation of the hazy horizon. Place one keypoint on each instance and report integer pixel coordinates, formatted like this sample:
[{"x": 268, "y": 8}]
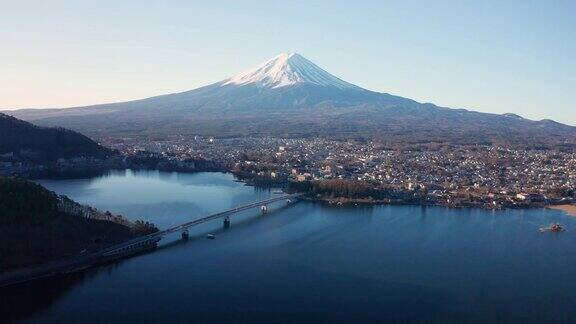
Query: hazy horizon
[{"x": 489, "y": 57}]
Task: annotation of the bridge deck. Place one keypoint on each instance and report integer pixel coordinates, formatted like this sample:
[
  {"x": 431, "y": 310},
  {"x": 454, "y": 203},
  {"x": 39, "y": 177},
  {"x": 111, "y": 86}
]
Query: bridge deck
[
  {"x": 181, "y": 227},
  {"x": 224, "y": 214}
]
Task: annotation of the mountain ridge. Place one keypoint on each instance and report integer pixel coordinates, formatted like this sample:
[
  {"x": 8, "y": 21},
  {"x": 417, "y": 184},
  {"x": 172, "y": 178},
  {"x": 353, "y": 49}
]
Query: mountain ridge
[{"x": 291, "y": 96}]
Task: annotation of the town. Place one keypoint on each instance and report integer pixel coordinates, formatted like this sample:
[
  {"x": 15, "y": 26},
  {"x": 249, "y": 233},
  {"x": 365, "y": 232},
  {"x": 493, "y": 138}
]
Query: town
[
  {"x": 348, "y": 171},
  {"x": 456, "y": 176}
]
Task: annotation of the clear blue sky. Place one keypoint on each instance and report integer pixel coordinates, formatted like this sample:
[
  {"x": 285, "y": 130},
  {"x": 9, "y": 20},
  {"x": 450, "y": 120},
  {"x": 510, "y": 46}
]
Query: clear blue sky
[{"x": 492, "y": 56}]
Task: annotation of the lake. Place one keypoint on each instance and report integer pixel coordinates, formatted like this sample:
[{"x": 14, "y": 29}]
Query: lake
[{"x": 308, "y": 261}]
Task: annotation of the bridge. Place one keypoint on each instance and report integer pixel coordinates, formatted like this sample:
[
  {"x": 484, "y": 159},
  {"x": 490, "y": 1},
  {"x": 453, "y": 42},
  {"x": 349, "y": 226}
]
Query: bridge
[
  {"x": 149, "y": 241},
  {"x": 125, "y": 249}
]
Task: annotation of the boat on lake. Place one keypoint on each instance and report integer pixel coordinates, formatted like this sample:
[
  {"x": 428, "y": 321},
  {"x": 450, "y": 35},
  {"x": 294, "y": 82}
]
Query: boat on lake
[{"x": 554, "y": 227}]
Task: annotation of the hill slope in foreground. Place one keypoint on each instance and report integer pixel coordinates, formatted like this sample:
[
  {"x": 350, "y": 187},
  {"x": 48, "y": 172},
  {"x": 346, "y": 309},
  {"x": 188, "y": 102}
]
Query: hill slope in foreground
[
  {"x": 34, "y": 228},
  {"x": 289, "y": 96}
]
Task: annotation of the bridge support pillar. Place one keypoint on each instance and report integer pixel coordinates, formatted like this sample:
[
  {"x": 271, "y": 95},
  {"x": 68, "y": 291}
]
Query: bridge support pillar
[
  {"x": 185, "y": 235},
  {"x": 264, "y": 209},
  {"x": 227, "y": 222}
]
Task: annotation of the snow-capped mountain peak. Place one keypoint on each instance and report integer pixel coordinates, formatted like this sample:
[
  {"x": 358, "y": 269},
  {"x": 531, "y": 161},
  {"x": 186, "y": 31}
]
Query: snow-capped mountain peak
[{"x": 287, "y": 69}]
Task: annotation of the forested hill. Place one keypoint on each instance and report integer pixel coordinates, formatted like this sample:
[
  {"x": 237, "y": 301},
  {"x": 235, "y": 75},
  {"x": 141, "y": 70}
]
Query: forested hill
[
  {"x": 33, "y": 229},
  {"x": 45, "y": 144}
]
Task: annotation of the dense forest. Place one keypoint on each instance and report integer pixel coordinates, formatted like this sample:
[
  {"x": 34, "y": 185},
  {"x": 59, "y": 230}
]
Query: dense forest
[
  {"x": 44, "y": 144},
  {"x": 33, "y": 229}
]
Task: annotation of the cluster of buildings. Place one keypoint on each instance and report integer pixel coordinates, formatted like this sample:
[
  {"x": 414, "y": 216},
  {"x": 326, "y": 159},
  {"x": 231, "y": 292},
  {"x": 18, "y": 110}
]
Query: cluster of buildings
[{"x": 483, "y": 176}]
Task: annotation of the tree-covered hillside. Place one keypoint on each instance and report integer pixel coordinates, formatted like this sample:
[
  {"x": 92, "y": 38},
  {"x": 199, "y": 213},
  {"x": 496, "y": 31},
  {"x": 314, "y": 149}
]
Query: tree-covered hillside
[
  {"x": 33, "y": 229},
  {"x": 44, "y": 144}
]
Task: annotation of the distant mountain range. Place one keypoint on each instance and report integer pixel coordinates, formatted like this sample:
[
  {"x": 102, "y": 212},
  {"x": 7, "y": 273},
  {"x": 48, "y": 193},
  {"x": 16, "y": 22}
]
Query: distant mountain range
[
  {"x": 44, "y": 144},
  {"x": 291, "y": 96}
]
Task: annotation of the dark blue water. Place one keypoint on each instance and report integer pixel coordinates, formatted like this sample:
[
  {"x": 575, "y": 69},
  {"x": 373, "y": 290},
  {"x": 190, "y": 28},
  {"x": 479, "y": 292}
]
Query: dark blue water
[{"x": 309, "y": 262}]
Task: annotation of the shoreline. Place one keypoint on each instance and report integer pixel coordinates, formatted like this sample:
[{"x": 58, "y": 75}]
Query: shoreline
[
  {"x": 568, "y": 209},
  {"x": 344, "y": 201},
  {"x": 252, "y": 181},
  {"x": 372, "y": 202}
]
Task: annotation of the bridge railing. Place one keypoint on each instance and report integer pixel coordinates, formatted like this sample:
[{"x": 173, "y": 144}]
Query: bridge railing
[
  {"x": 200, "y": 221},
  {"x": 224, "y": 213}
]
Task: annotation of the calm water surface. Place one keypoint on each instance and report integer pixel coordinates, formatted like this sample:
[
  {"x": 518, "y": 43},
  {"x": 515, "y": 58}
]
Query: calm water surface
[{"x": 309, "y": 262}]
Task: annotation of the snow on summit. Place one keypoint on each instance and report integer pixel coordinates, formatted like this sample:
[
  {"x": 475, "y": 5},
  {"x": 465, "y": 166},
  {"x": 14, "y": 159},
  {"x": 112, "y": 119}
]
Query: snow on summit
[{"x": 287, "y": 69}]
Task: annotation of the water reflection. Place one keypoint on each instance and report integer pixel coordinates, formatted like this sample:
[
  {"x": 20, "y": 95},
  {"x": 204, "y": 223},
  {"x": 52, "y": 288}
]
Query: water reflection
[
  {"x": 23, "y": 301},
  {"x": 164, "y": 198}
]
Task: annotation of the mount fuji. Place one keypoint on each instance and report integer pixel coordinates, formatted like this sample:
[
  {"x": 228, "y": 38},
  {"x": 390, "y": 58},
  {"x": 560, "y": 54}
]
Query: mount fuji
[
  {"x": 289, "y": 95},
  {"x": 288, "y": 70}
]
